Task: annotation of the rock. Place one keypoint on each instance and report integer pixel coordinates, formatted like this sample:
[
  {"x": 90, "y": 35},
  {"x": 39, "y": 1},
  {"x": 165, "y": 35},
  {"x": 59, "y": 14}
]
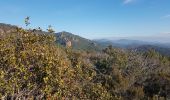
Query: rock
[
  {"x": 68, "y": 44},
  {"x": 1, "y": 31}
]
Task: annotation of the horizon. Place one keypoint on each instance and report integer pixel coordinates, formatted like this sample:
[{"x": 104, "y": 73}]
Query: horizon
[{"x": 92, "y": 19}]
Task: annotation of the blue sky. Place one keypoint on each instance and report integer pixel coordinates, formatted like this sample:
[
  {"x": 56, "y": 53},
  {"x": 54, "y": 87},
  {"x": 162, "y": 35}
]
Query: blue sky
[{"x": 91, "y": 18}]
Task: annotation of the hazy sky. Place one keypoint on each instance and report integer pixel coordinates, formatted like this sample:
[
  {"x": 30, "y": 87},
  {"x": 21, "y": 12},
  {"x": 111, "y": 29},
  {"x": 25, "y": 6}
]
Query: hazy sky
[{"x": 91, "y": 18}]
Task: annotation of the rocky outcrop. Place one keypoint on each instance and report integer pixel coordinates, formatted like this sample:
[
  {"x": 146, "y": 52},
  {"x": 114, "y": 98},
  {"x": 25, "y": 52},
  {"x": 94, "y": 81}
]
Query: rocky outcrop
[
  {"x": 68, "y": 44},
  {"x": 1, "y": 31}
]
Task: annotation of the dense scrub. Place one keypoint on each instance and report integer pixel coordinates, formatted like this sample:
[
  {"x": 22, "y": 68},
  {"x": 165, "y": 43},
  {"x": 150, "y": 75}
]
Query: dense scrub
[{"x": 32, "y": 66}]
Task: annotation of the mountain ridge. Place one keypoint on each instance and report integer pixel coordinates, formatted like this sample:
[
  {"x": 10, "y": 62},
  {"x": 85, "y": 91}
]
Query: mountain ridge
[
  {"x": 63, "y": 38},
  {"x": 79, "y": 43}
]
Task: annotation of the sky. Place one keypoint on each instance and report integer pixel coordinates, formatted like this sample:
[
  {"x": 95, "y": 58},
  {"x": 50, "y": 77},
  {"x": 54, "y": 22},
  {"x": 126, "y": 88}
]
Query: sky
[{"x": 92, "y": 19}]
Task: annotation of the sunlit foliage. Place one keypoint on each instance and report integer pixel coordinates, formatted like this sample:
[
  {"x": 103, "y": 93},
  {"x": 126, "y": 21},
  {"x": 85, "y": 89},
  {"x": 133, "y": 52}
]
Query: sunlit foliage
[{"x": 33, "y": 66}]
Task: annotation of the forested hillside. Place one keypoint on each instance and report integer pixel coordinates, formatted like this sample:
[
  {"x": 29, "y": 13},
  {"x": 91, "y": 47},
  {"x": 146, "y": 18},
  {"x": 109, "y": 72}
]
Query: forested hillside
[
  {"x": 161, "y": 49},
  {"x": 77, "y": 42},
  {"x": 33, "y": 67}
]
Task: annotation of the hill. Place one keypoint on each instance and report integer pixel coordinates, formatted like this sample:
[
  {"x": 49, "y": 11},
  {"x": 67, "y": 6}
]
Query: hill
[
  {"x": 122, "y": 43},
  {"x": 137, "y": 45},
  {"x": 145, "y": 48},
  {"x": 63, "y": 38},
  {"x": 6, "y": 28},
  {"x": 77, "y": 42}
]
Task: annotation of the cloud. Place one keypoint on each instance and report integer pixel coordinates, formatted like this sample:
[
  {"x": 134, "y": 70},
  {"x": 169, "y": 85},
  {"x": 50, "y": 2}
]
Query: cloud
[
  {"x": 127, "y": 1},
  {"x": 166, "y": 16}
]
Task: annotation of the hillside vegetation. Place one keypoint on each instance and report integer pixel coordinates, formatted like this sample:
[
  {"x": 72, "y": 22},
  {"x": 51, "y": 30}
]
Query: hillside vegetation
[
  {"x": 77, "y": 42},
  {"x": 33, "y": 67}
]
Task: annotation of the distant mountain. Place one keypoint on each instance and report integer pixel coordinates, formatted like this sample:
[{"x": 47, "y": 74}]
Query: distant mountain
[
  {"x": 122, "y": 43},
  {"x": 158, "y": 38},
  {"x": 80, "y": 43},
  {"x": 137, "y": 45},
  {"x": 77, "y": 42},
  {"x": 63, "y": 38}
]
